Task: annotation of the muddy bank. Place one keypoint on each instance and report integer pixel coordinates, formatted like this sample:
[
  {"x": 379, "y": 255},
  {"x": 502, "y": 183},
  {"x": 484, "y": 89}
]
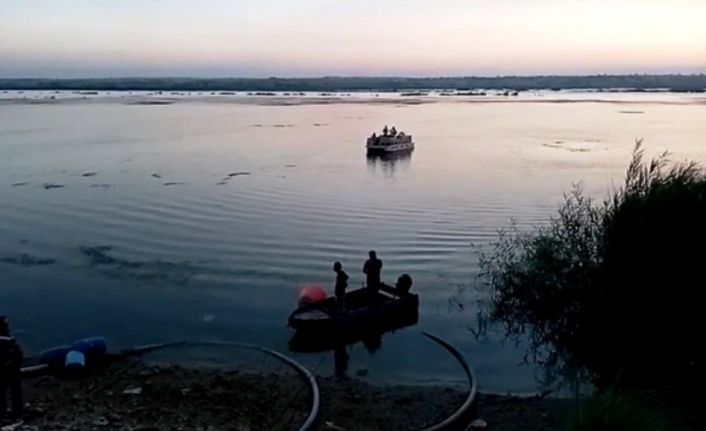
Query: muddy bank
[{"x": 135, "y": 395}]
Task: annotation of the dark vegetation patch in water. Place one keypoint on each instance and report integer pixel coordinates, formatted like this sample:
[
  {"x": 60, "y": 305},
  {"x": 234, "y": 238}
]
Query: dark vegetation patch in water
[
  {"x": 173, "y": 183},
  {"x": 20, "y": 184},
  {"x": 101, "y": 186},
  {"x": 155, "y": 175},
  {"x": 273, "y": 125},
  {"x": 27, "y": 260},
  {"x": 230, "y": 176},
  {"x": 48, "y": 186},
  {"x": 559, "y": 145},
  {"x": 89, "y": 174},
  {"x": 116, "y": 267},
  {"x": 631, "y": 112},
  {"x": 99, "y": 256},
  {"x": 151, "y": 102}
]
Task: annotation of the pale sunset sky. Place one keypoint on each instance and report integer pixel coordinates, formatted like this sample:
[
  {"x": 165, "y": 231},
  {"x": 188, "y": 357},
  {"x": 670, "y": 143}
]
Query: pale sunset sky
[{"x": 100, "y": 38}]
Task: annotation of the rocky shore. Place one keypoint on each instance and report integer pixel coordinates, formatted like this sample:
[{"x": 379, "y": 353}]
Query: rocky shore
[{"x": 134, "y": 395}]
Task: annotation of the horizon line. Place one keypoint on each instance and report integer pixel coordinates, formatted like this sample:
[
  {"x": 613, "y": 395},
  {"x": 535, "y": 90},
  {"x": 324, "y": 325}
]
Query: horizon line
[{"x": 551, "y": 75}]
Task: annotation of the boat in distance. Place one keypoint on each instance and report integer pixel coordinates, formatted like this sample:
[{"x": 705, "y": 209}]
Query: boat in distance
[{"x": 390, "y": 141}]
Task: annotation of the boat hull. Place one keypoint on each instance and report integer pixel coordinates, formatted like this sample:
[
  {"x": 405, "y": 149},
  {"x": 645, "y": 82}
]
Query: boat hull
[
  {"x": 389, "y": 144},
  {"x": 314, "y": 341},
  {"x": 373, "y": 150},
  {"x": 366, "y": 312}
]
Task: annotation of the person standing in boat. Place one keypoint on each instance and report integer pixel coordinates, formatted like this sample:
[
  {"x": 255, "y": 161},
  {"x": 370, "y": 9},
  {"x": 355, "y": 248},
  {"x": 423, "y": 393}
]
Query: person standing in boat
[
  {"x": 385, "y": 130},
  {"x": 10, "y": 370},
  {"x": 393, "y": 131},
  {"x": 341, "y": 284},
  {"x": 372, "y": 269}
]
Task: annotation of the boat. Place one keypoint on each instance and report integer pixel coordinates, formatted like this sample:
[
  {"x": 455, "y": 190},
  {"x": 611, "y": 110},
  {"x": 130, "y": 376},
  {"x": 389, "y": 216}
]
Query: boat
[
  {"x": 388, "y": 143},
  {"x": 370, "y": 335},
  {"x": 366, "y": 311}
]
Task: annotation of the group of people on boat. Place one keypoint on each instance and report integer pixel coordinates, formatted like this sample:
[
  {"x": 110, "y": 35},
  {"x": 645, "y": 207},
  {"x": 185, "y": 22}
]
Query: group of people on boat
[
  {"x": 372, "y": 268},
  {"x": 386, "y": 132}
]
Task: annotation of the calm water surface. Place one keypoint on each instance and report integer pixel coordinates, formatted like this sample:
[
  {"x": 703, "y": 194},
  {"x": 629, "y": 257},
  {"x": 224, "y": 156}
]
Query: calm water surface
[{"x": 150, "y": 239}]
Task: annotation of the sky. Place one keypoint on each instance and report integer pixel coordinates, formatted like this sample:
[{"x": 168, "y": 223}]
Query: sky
[{"x": 260, "y": 38}]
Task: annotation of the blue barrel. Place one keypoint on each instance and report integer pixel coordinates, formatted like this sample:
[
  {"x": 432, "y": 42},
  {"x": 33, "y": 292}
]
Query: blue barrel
[
  {"x": 91, "y": 347},
  {"x": 75, "y": 360},
  {"x": 54, "y": 356}
]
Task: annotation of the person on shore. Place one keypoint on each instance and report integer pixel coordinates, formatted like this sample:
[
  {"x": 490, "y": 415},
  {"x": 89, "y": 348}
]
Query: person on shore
[
  {"x": 10, "y": 371},
  {"x": 372, "y": 269},
  {"x": 341, "y": 285},
  {"x": 340, "y": 360}
]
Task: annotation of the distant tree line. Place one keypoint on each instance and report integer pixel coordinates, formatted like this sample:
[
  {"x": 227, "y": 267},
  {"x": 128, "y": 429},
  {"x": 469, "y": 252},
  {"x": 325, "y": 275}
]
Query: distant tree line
[{"x": 674, "y": 82}]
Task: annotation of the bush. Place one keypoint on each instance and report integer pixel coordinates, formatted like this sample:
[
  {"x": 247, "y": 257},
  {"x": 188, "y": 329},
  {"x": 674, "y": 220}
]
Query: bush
[
  {"x": 612, "y": 289},
  {"x": 613, "y": 411}
]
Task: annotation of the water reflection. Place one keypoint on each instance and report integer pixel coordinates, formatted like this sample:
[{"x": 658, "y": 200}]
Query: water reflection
[
  {"x": 388, "y": 164},
  {"x": 211, "y": 248},
  {"x": 372, "y": 343},
  {"x": 371, "y": 339}
]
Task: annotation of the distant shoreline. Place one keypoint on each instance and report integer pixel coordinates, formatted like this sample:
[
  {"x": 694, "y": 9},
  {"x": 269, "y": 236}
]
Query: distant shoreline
[
  {"x": 159, "y": 98},
  {"x": 671, "y": 82}
]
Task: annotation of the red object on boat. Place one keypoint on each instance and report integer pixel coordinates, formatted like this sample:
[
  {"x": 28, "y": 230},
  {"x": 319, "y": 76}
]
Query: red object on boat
[{"x": 312, "y": 293}]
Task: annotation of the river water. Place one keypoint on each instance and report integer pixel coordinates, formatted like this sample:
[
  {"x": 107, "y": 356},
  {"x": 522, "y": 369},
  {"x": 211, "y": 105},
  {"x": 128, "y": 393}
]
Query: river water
[{"x": 148, "y": 218}]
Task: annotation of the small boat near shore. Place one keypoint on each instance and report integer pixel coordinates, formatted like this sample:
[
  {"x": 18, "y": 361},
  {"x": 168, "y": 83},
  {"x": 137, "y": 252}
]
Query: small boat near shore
[
  {"x": 365, "y": 311},
  {"x": 389, "y": 142}
]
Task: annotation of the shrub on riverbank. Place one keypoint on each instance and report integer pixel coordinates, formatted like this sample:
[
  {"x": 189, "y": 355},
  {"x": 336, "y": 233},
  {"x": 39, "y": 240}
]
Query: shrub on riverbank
[
  {"x": 613, "y": 289},
  {"x": 616, "y": 412}
]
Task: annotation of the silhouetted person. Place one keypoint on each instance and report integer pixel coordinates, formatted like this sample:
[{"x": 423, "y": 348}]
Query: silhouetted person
[
  {"x": 372, "y": 343},
  {"x": 372, "y": 268},
  {"x": 10, "y": 370},
  {"x": 341, "y": 284},
  {"x": 340, "y": 360},
  {"x": 385, "y": 130},
  {"x": 393, "y": 132},
  {"x": 404, "y": 284}
]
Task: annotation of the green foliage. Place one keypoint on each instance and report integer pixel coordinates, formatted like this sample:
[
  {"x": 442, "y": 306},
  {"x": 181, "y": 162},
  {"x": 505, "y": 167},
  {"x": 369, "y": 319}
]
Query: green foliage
[
  {"x": 557, "y": 262},
  {"x": 613, "y": 290},
  {"x": 614, "y": 411}
]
